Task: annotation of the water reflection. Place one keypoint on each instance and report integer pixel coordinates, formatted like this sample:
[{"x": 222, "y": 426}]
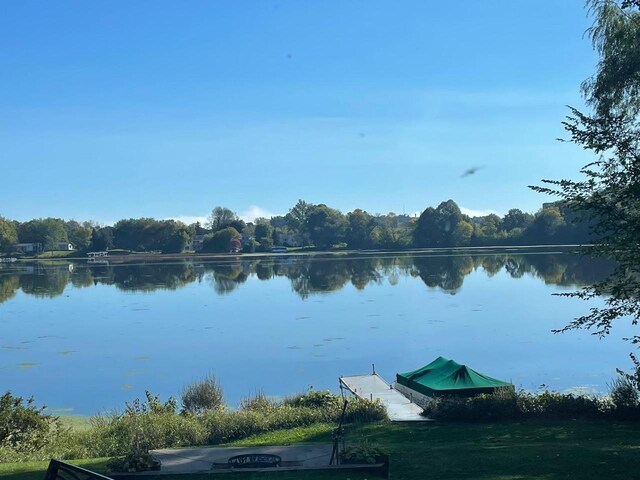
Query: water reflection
[{"x": 307, "y": 275}]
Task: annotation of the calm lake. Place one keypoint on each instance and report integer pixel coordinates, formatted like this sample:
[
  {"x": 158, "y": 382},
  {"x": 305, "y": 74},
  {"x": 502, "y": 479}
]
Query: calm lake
[{"x": 84, "y": 338}]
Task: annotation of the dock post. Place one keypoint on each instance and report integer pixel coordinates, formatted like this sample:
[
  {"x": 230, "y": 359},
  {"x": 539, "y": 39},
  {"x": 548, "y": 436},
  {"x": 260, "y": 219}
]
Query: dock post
[{"x": 410, "y": 397}]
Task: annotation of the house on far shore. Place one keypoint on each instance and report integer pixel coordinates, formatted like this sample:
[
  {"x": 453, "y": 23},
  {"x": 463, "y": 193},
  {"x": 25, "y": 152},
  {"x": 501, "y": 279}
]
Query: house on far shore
[
  {"x": 289, "y": 239},
  {"x": 28, "y": 247},
  {"x": 39, "y": 247},
  {"x": 196, "y": 243}
]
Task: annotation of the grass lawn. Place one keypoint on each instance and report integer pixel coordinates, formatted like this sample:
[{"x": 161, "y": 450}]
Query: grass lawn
[{"x": 500, "y": 451}]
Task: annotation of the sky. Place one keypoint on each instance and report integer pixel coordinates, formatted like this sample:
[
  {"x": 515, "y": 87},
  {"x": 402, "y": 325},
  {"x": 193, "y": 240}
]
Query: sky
[{"x": 166, "y": 109}]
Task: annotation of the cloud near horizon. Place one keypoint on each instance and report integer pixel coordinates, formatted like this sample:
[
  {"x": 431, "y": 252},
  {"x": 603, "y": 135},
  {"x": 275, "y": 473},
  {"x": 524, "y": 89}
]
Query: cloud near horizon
[
  {"x": 248, "y": 215},
  {"x": 254, "y": 211},
  {"x": 478, "y": 213}
]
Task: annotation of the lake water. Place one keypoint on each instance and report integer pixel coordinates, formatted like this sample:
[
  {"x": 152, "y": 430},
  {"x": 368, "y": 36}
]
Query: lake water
[{"x": 86, "y": 338}]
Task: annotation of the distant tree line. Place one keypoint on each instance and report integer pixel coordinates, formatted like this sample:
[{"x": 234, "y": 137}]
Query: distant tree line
[{"x": 306, "y": 225}]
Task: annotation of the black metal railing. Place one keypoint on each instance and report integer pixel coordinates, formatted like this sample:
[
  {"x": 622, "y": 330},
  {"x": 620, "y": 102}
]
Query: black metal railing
[{"x": 64, "y": 471}]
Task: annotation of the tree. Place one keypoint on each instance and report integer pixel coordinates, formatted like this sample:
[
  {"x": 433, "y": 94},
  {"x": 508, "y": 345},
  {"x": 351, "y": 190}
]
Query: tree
[
  {"x": 614, "y": 90},
  {"x": 220, "y": 241},
  {"x": 220, "y": 218},
  {"x": 101, "y": 239},
  {"x": 79, "y": 234},
  {"x": 462, "y": 233},
  {"x": 41, "y": 230},
  {"x": 325, "y": 226},
  {"x": 358, "y": 233},
  {"x": 545, "y": 226},
  {"x": 134, "y": 234},
  {"x": 172, "y": 236},
  {"x": 608, "y": 195},
  {"x": 489, "y": 225},
  {"x": 297, "y": 217},
  {"x": 515, "y": 218},
  {"x": 438, "y": 227},
  {"x": 262, "y": 229},
  {"x": 8, "y": 234}
]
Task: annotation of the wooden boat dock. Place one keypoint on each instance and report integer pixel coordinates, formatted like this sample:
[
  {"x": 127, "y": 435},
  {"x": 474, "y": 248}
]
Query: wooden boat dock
[{"x": 372, "y": 387}]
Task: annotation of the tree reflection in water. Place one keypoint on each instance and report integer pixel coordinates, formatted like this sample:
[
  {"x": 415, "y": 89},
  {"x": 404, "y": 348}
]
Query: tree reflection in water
[{"x": 308, "y": 275}]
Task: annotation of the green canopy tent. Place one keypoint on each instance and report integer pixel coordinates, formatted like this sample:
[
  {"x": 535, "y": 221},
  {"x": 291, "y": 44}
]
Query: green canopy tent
[{"x": 446, "y": 377}]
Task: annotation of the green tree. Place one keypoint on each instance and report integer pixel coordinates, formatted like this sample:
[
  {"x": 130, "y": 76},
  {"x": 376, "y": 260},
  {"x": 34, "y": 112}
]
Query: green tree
[
  {"x": 221, "y": 217},
  {"x": 545, "y": 226},
  {"x": 297, "y": 217},
  {"x": 172, "y": 236},
  {"x": 262, "y": 229},
  {"x": 515, "y": 218},
  {"x": 220, "y": 241},
  {"x": 358, "y": 233},
  {"x": 462, "y": 233},
  {"x": 325, "y": 226},
  {"x": 8, "y": 234},
  {"x": 608, "y": 194},
  {"x": 42, "y": 229},
  {"x": 437, "y": 227},
  {"x": 101, "y": 239},
  {"x": 489, "y": 225},
  {"x": 134, "y": 234},
  {"x": 426, "y": 232},
  {"x": 614, "y": 90},
  {"x": 79, "y": 234}
]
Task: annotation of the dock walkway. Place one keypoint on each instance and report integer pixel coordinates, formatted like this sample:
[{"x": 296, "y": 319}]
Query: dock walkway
[{"x": 372, "y": 387}]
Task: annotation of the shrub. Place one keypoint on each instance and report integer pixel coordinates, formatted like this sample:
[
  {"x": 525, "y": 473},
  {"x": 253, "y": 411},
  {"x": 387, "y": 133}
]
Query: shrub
[
  {"x": 152, "y": 420},
  {"x": 364, "y": 411},
  {"x": 257, "y": 403},
  {"x": 151, "y": 405},
  {"x": 510, "y": 404},
  {"x": 625, "y": 397},
  {"x": 138, "y": 458},
  {"x": 203, "y": 396},
  {"x": 363, "y": 452},
  {"x": 24, "y": 427},
  {"x": 315, "y": 399}
]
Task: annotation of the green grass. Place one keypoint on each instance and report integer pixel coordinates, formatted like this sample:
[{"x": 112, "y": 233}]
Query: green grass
[
  {"x": 532, "y": 449},
  {"x": 35, "y": 470},
  {"x": 319, "y": 433},
  {"x": 56, "y": 254},
  {"x": 77, "y": 423}
]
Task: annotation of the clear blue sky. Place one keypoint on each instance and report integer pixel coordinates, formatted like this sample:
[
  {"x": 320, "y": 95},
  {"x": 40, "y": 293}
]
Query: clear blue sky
[{"x": 114, "y": 109}]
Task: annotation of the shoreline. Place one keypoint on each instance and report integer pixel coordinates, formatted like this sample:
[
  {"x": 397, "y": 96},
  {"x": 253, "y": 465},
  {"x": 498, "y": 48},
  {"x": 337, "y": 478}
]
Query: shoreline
[{"x": 444, "y": 251}]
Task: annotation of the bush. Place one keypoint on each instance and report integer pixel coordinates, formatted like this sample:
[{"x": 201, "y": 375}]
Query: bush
[
  {"x": 203, "y": 396},
  {"x": 507, "y": 404},
  {"x": 225, "y": 427},
  {"x": 364, "y": 411},
  {"x": 363, "y": 452},
  {"x": 625, "y": 397},
  {"x": 563, "y": 406},
  {"x": 500, "y": 405},
  {"x": 257, "y": 403},
  {"x": 156, "y": 422},
  {"x": 24, "y": 427},
  {"x": 315, "y": 399},
  {"x": 138, "y": 459}
]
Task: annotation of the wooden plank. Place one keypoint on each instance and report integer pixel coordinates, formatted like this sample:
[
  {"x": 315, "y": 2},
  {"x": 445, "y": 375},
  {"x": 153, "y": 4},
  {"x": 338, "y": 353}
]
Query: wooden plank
[{"x": 372, "y": 387}]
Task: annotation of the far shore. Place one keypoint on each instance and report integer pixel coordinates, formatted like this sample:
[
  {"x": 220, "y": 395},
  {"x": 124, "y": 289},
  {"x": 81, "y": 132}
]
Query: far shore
[{"x": 120, "y": 256}]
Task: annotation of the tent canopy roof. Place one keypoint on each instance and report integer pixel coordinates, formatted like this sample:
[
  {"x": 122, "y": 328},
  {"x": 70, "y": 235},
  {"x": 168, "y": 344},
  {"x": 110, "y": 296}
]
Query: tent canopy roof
[{"x": 444, "y": 376}]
